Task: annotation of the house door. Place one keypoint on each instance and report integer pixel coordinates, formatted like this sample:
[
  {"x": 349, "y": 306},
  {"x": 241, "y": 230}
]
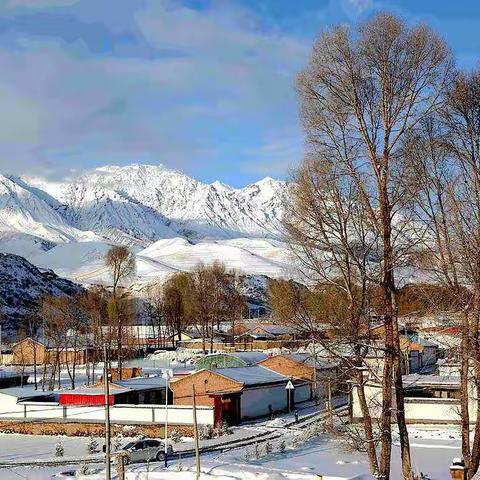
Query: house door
[{"x": 231, "y": 409}]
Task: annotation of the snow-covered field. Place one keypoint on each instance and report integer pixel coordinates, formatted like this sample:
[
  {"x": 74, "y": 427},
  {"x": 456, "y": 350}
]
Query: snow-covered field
[{"x": 433, "y": 449}]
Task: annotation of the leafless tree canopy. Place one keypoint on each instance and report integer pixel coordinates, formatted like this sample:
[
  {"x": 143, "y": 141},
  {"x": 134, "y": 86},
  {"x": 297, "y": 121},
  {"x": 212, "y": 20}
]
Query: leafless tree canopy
[
  {"x": 361, "y": 94},
  {"x": 121, "y": 263}
]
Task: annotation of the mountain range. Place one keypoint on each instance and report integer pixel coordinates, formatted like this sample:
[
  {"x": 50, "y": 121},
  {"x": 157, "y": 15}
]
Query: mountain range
[{"x": 170, "y": 220}]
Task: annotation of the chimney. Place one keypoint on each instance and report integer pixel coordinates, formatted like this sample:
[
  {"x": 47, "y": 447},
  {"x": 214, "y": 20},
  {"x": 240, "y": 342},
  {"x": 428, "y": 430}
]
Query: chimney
[{"x": 458, "y": 471}]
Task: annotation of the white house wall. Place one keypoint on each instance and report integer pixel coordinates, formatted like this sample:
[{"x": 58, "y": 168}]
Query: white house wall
[
  {"x": 255, "y": 401},
  {"x": 128, "y": 414}
]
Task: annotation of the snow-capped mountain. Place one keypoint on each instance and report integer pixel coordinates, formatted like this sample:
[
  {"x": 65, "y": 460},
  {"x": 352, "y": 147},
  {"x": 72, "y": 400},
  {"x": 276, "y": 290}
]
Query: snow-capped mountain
[
  {"x": 170, "y": 220},
  {"x": 139, "y": 204}
]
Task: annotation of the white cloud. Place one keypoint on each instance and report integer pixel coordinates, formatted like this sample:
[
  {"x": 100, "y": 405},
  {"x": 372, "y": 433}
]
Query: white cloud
[{"x": 76, "y": 111}]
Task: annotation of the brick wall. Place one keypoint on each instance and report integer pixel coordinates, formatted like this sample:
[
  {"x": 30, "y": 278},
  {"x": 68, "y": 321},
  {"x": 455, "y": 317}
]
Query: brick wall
[
  {"x": 289, "y": 367},
  {"x": 205, "y": 382}
]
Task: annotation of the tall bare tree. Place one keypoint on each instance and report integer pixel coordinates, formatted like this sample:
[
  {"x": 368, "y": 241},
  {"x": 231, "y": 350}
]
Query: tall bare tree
[
  {"x": 444, "y": 156},
  {"x": 175, "y": 305},
  {"x": 121, "y": 263},
  {"x": 94, "y": 303},
  {"x": 337, "y": 249},
  {"x": 361, "y": 93}
]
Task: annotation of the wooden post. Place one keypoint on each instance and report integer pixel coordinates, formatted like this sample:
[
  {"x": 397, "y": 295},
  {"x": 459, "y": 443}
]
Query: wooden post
[
  {"x": 121, "y": 466},
  {"x": 458, "y": 471},
  {"x": 195, "y": 430}
]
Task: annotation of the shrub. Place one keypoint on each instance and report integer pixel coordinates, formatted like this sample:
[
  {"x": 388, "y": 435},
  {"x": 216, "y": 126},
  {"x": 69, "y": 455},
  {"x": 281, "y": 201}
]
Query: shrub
[
  {"x": 175, "y": 436},
  {"x": 59, "y": 449},
  {"x": 92, "y": 446},
  {"x": 268, "y": 448},
  {"x": 205, "y": 432}
]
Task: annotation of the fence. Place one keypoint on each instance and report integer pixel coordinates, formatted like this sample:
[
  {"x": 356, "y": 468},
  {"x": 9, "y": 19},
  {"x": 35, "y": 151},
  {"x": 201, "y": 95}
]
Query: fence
[{"x": 126, "y": 414}]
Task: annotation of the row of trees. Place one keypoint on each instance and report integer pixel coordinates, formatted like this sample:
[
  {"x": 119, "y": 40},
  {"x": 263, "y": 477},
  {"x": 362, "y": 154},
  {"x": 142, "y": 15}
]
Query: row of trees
[
  {"x": 201, "y": 300},
  {"x": 389, "y": 188},
  {"x": 75, "y": 328}
]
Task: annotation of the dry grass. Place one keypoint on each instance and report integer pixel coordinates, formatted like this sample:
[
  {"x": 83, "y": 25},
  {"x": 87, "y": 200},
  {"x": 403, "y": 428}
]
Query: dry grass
[{"x": 87, "y": 429}]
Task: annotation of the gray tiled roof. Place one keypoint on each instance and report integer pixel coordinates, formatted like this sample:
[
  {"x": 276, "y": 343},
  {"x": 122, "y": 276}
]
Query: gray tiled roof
[
  {"x": 142, "y": 383},
  {"x": 250, "y": 376},
  {"x": 309, "y": 360}
]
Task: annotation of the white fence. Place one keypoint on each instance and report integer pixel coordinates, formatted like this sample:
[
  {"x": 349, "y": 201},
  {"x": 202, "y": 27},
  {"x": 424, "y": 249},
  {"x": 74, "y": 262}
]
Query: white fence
[
  {"x": 417, "y": 409},
  {"x": 127, "y": 414}
]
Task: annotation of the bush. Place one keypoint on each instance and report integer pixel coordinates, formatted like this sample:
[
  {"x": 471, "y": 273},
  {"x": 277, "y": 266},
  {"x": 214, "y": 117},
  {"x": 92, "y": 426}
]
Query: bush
[
  {"x": 84, "y": 470},
  {"x": 268, "y": 448},
  {"x": 205, "y": 432},
  {"x": 117, "y": 441},
  {"x": 298, "y": 441},
  {"x": 59, "y": 449},
  {"x": 247, "y": 455},
  {"x": 222, "y": 430},
  {"x": 175, "y": 436},
  {"x": 92, "y": 446},
  {"x": 225, "y": 429}
]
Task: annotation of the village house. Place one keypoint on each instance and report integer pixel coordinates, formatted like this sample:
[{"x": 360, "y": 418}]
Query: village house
[
  {"x": 320, "y": 374},
  {"x": 10, "y": 378},
  {"x": 239, "y": 393},
  {"x": 29, "y": 352},
  {"x": 428, "y": 399},
  {"x": 135, "y": 391}
]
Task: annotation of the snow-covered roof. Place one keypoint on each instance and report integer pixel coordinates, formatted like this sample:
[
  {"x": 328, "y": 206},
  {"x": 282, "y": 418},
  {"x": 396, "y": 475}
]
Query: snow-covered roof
[
  {"x": 309, "y": 360},
  {"x": 425, "y": 343},
  {"x": 143, "y": 383},
  {"x": 255, "y": 375},
  {"x": 8, "y": 373},
  {"x": 416, "y": 380},
  {"x": 25, "y": 393},
  {"x": 276, "y": 329},
  {"x": 251, "y": 358}
]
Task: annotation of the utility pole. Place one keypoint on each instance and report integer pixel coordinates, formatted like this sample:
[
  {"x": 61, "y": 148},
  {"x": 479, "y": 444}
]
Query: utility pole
[
  {"x": 166, "y": 375},
  {"x": 195, "y": 430},
  {"x": 108, "y": 475}
]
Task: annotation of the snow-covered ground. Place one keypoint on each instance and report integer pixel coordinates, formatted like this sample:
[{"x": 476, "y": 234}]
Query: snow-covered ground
[{"x": 433, "y": 449}]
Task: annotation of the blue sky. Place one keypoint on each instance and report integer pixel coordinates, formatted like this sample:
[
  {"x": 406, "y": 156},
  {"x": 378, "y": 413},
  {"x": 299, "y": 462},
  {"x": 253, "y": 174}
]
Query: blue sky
[{"x": 204, "y": 86}]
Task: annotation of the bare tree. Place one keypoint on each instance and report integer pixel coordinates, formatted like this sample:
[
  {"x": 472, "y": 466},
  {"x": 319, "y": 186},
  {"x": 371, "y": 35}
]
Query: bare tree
[
  {"x": 337, "y": 249},
  {"x": 121, "y": 263},
  {"x": 94, "y": 303},
  {"x": 360, "y": 95},
  {"x": 175, "y": 303},
  {"x": 444, "y": 156}
]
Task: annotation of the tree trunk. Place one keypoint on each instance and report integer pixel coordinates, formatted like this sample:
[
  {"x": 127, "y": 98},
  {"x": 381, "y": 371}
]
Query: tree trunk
[
  {"x": 464, "y": 393},
  {"x": 392, "y": 347},
  {"x": 367, "y": 421}
]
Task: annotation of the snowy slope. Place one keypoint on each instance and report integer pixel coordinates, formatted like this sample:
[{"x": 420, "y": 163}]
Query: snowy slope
[
  {"x": 25, "y": 209},
  {"x": 83, "y": 262},
  {"x": 185, "y": 256},
  {"x": 22, "y": 285}
]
